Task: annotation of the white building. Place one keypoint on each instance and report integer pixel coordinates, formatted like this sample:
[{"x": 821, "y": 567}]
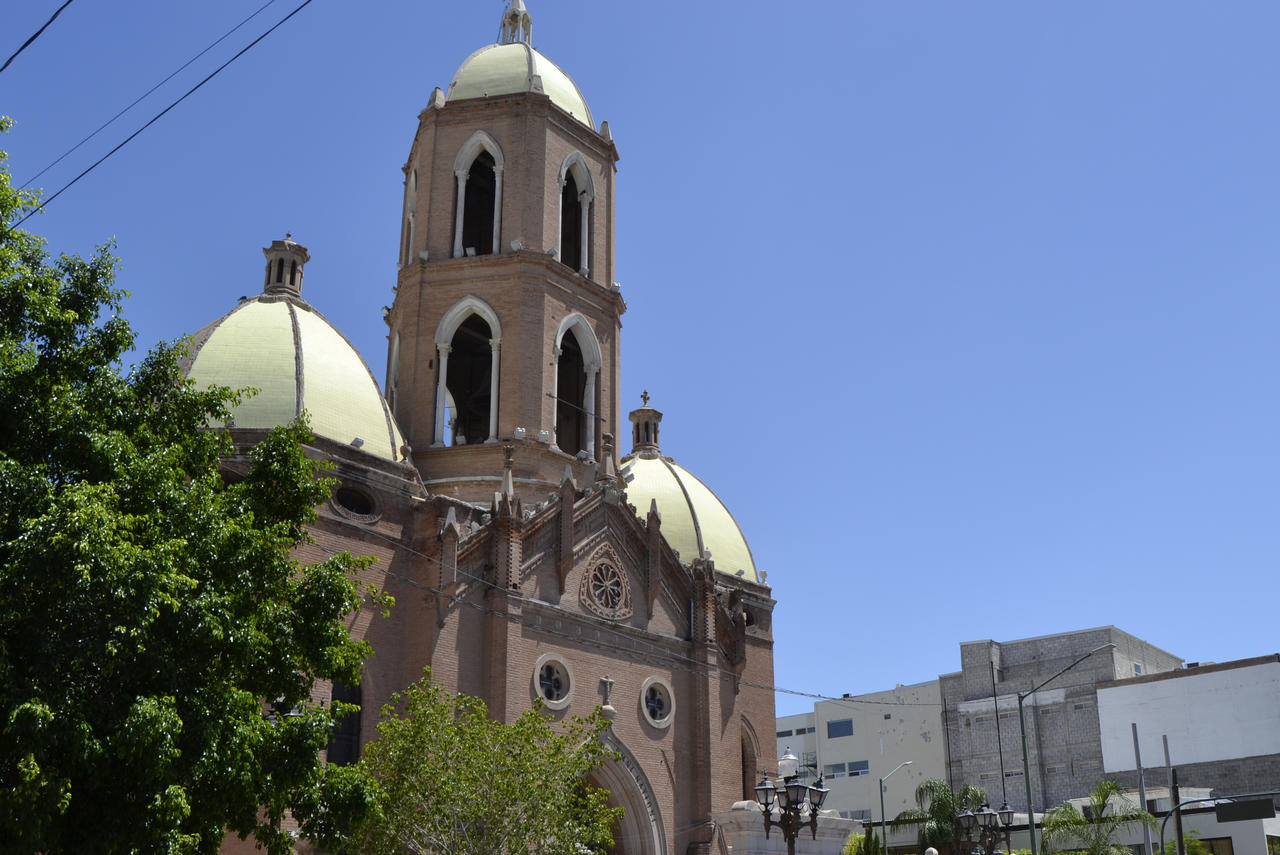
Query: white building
[
  {"x": 1222, "y": 722},
  {"x": 855, "y": 740}
]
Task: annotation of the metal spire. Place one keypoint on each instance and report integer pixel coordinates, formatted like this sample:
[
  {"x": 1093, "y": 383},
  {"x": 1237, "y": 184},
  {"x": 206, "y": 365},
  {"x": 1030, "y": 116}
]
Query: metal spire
[{"x": 517, "y": 24}]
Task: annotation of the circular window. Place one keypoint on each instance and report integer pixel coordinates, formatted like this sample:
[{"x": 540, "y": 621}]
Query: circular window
[
  {"x": 553, "y": 681},
  {"x": 355, "y": 502},
  {"x": 657, "y": 702},
  {"x": 606, "y": 592}
]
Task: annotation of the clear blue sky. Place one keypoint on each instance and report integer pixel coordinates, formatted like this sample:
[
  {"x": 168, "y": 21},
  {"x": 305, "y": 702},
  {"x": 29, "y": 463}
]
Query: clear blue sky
[{"x": 967, "y": 310}]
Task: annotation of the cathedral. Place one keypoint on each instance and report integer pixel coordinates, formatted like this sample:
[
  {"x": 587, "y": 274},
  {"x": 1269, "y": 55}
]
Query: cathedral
[{"x": 537, "y": 544}]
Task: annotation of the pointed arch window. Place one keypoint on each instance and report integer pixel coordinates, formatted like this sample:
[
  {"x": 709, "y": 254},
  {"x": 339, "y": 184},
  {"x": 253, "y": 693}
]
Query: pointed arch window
[
  {"x": 468, "y": 342},
  {"x": 571, "y": 383},
  {"x": 577, "y": 192},
  {"x": 578, "y": 360},
  {"x": 478, "y": 215}
]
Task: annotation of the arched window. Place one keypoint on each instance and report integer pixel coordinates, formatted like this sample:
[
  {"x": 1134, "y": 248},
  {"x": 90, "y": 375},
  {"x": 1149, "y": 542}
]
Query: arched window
[
  {"x": 577, "y": 192},
  {"x": 279, "y": 271},
  {"x": 477, "y": 228},
  {"x": 578, "y": 361},
  {"x": 570, "y": 223},
  {"x": 468, "y": 343},
  {"x": 477, "y": 206},
  {"x": 571, "y": 384},
  {"x": 469, "y": 373}
]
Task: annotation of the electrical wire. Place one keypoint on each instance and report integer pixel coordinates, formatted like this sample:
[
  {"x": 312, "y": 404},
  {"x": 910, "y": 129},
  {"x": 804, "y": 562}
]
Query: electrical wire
[
  {"x": 34, "y": 36},
  {"x": 158, "y": 116},
  {"x": 136, "y": 101}
]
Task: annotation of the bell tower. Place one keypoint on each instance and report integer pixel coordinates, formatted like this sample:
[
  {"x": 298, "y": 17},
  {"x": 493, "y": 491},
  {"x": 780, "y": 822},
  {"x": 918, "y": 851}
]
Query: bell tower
[{"x": 504, "y": 329}]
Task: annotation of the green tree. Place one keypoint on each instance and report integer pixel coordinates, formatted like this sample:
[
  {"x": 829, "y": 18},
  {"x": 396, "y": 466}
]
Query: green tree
[
  {"x": 863, "y": 844},
  {"x": 153, "y": 623},
  {"x": 1066, "y": 828},
  {"x": 936, "y": 814},
  {"x": 455, "y": 780}
]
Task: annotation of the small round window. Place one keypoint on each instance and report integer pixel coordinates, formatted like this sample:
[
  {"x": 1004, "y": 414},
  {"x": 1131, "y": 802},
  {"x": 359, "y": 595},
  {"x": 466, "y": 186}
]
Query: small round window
[
  {"x": 355, "y": 502},
  {"x": 657, "y": 702},
  {"x": 553, "y": 682}
]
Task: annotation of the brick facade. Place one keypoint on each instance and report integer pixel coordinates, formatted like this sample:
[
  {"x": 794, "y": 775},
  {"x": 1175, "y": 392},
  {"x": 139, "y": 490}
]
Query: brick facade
[{"x": 494, "y": 546}]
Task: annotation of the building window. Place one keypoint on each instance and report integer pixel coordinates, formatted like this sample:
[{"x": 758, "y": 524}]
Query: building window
[
  {"x": 782, "y": 734},
  {"x": 840, "y": 727},
  {"x": 806, "y": 730},
  {"x": 576, "y": 195},
  {"x": 657, "y": 701},
  {"x": 1137, "y": 669},
  {"x": 888, "y": 716},
  {"x": 344, "y": 742},
  {"x": 857, "y": 768},
  {"x": 833, "y": 770},
  {"x": 571, "y": 388},
  {"x": 478, "y": 206},
  {"x": 470, "y": 381},
  {"x": 1222, "y": 845},
  {"x": 553, "y": 681}
]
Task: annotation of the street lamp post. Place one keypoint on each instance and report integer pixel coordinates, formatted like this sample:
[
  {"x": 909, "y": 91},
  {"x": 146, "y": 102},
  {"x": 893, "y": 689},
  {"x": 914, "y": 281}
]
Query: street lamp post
[
  {"x": 1022, "y": 726},
  {"x": 884, "y": 840},
  {"x": 990, "y": 824},
  {"x": 791, "y": 801}
]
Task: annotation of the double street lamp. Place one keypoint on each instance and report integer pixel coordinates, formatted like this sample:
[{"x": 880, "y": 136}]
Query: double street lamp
[
  {"x": 794, "y": 798},
  {"x": 990, "y": 825}
]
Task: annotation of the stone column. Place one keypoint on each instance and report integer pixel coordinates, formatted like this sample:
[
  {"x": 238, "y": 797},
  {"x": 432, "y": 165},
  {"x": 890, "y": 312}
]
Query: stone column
[
  {"x": 584, "y": 203},
  {"x": 497, "y": 214},
  {"x": 555, "y": 396},
  {"x": 457, "y": 218},
  {"x": 495, "y": 351},
  {"x": 589, "y": 405},
  {"x": 442, "y": 386}
]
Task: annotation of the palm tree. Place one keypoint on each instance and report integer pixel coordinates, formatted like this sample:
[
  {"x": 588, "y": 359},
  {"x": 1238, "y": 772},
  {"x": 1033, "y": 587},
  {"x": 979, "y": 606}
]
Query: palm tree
[
  {"x": 937, "y": 814},
  {"x": 1094, "y": 831}
]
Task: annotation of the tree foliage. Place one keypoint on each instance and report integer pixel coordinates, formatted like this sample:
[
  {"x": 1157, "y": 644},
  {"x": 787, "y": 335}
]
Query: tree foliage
[
  {"x": 455, "y": 780},
  {"x": 151, "y": 614},
  {"x": 1066, "y": 828},
  {"x": 936, "y": 815}
]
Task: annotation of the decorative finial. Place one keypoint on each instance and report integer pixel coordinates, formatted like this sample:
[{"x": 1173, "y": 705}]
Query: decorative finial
[
  {"x": 517, "y": 24},
  {"x": 644, "y": 396}
]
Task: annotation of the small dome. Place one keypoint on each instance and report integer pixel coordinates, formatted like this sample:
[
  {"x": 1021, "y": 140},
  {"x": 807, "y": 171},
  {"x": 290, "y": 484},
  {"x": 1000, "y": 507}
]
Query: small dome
[
  {"x": 297, "y": 360},
  {"x": 694, "y": 520},
  {"x": 505, "y": 69}
]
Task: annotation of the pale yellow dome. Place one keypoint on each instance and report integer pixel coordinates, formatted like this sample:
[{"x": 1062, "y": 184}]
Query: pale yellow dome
[
  {"x": 281, "y": 346},
  {"x": 506, "y": 69},
  {"x": 694, "y": 520}
]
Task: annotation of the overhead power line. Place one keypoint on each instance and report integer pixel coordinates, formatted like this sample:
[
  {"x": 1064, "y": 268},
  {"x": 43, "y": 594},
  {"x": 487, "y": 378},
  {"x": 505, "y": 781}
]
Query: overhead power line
[
  {"x": 34, "y": 36},
  {"x": 180, "y": 69},
  {"x": 159, "y": 115}
]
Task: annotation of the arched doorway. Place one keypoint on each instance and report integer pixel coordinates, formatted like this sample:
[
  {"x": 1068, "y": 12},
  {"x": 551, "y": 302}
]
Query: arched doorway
[{"x": 640, "y": 831}]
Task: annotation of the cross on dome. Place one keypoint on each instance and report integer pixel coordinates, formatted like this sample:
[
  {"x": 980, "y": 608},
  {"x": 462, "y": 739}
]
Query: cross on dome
[{"x": 517, "y": 24}]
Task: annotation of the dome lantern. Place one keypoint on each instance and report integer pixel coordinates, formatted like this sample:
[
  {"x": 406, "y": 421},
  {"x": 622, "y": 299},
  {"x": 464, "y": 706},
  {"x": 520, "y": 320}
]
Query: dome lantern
[
  {"x": 517, "y": 24},
  {"x": 644, "y": 429},
  {"x": 285, "y": 260}
]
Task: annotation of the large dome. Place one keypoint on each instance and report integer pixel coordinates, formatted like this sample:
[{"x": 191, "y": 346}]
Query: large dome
[
  {"x": 505, "y": 69},
  {"x": 281, "y": 346},
  {"x": 694, "y": 520}
]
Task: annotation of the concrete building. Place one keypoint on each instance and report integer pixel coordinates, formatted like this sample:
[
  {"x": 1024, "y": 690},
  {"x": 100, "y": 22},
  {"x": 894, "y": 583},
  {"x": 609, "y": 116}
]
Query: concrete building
[
  {"x": 855, "y": 740},
  {"x": 980, "y": 711},
  {"x": 1222, "y": 722},
  {"x": 526, "y": 558}
]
